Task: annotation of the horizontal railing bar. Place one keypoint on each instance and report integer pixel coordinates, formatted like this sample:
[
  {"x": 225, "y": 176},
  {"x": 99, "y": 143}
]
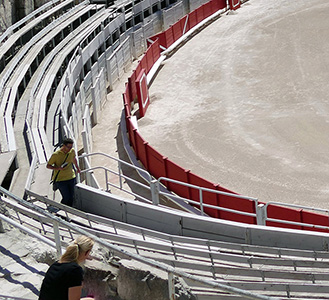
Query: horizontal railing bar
[
  {"x": 206, "y": 189},
  {"x": 209, "y": 205},
  {"x": 137, "y": 257}
]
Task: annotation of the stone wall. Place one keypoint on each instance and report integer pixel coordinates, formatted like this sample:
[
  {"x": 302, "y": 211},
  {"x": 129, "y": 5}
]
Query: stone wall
[
  {"x": 12, "y": 11},
  {"x": 6, "y": 8}
]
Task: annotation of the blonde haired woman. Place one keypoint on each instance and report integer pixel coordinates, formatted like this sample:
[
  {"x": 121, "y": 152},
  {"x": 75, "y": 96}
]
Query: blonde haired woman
[{"x": 63, "y": 280}]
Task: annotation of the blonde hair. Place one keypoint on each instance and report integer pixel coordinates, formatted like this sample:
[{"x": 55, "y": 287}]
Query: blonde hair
[{"x": 81, "y": 244}]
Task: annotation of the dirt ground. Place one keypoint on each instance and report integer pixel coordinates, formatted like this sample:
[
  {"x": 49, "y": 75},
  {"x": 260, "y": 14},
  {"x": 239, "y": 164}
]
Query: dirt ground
[{"x": 244, "y": 103}]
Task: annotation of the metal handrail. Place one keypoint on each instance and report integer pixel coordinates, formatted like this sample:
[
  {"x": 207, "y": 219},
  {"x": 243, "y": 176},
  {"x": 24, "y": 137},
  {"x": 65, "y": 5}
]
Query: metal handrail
[
  {"x": 120, "y": 162},
  {"x": 121, "y": 177},
  {"x": 302, "y": 207},
  {"x": 203, "y": 189},
  {"x": 166, "y": 268},
  {"x": 157, "y": 188}
]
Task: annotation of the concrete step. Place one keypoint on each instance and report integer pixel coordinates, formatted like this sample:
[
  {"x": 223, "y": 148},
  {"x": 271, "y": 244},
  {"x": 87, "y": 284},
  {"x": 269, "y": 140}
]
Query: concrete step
[{"x": 21, "y": 274}]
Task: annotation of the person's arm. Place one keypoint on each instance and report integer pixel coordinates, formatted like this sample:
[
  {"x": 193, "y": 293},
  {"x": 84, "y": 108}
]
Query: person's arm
[
  {"x": 53, "y": 167},
  {"x": 76, "y": 165},
  {"x": 75, "y": 293}
]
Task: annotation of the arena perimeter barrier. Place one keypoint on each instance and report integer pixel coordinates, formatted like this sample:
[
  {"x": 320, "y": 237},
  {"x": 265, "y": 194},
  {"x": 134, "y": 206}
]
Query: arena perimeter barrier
[{"x": 160, "y": 166}]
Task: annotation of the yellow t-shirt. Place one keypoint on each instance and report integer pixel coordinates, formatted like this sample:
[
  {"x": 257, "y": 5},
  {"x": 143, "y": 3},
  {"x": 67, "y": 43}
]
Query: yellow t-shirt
[{"x": 57, "y": 160}]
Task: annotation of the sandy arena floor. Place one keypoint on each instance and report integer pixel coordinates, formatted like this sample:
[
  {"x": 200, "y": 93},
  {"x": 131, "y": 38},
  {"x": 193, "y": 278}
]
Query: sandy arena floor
[{"x": 245, "y": 102}]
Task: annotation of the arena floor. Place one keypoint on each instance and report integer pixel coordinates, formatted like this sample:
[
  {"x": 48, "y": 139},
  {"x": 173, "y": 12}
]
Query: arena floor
[{"x": 245, "y": 102}]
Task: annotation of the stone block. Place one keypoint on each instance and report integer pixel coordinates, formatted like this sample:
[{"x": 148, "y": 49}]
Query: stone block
[{"x": 139, "y": 281}]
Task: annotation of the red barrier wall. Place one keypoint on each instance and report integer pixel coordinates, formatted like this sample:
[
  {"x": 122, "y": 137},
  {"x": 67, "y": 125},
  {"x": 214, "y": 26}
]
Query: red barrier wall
[
  {"x": 177, "y": 31},
  {"x": 184, "y": 23},
  {"x": 283, "y": 213},
  {"x": 236, "y": 204},
  {"x": 208, "y": 197},
  {"x": 131, "y": 134},
  {"x": 309, "y": 217},
  {"x": 142, "y": 92},
  {"x": 156, "y": 162},
  {"x": 169, "y": 36},
  {"x": 207, "y": 10},
  {"x": 160, "y": 166},
  {"x": 176, "y": 172},
  {"x": 140, "y": 149},
  {"x": 234, "y": 4},
  {"x": 192, "y": 19},
  {"x": 218, "y": 4}
]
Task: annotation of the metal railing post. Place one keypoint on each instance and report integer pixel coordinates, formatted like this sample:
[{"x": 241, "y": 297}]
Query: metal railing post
[
  {"x": 57, "y": 239},
  {"x": 107, "y": 181},
  {"x": 154, "y": 185},
  {"x": 120, "y": 174},
  {"x": 261, "y": 214},
  {"x": 201, "y": 202},
  {"x": 171, "y": 286}
]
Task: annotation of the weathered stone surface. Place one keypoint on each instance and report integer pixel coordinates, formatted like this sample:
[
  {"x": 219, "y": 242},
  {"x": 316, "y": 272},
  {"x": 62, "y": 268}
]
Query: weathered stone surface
[
  {"x": 12, "y": 11},
  {"x": 5, "y": 14},
  {"x": 100, "y": 280},
  {"x": 139, "y": 281}
]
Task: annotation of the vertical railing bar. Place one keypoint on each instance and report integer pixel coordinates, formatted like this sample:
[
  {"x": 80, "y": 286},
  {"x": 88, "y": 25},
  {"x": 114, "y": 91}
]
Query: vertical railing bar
[
  {"x": 57, "y": 239},
  {"x": 120, "y": 175},
  {"x": 114, "y": 228},
  {"x": 171, "y": 286},
  {"x": 201, "y": 201}
]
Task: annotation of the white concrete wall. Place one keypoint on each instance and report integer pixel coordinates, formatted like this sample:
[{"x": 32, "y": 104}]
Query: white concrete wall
[{"x": 178, "y": 223}]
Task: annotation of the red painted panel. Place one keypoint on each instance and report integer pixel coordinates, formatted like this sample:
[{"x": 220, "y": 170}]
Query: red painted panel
[
  {"x": 208, "y": 197},
  {"x": 130, "y": 129},
  {"x": 169, "y": 35},
  {"x": 126, "y": 103},
  {"x": 156, "y": 163},
  {"x": 127, "y": 94},
  {"x": 192, "y": 19},
  {"x": 176, "y": 172},
  {"x": 238, "y": 204},
  {"x": 156, "y": 50},
  {"x": 137, "y": 70},
  {"x": 127, "y": 110},
  {"x": 151, "y": 40},
  {"x": 132, "y": 87},
  {"x": 234, "y": 4},
  {"x": 185, "y": 25},
  {"x": 141, "y": 149},
  {"x": 199, "y": 14},
  {"x": 142, "y": 65},
  {"x": 177, "y": 30},
  {"x": 149, "y": 59},
  {"x": 160, "y": 38},
  {"x": 283, "y": 213},
  {"x": 142, "y": 93},
  {"x": 316, "y": 219},
  {"x": 222, "y": 4},
  {"x": 207, "y": 10}
]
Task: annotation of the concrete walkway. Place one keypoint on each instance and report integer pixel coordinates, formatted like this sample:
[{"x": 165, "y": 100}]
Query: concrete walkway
[
  {"x": 244, "y": 103},
  {"x": 20, "y": 274}
]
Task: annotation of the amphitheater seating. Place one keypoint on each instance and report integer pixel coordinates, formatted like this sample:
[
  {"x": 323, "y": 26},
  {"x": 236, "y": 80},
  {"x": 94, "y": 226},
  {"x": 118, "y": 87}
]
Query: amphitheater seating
[
  {"x": 289, "y": 273},
  {"x": 29, "y": 57},
  {"x": 36, "y": 69},
  {"x": 21, "y": 32}
]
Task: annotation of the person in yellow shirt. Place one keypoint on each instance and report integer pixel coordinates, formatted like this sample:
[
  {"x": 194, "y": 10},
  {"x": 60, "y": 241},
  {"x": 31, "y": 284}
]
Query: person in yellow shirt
[{"x": 61, "y": 162}]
